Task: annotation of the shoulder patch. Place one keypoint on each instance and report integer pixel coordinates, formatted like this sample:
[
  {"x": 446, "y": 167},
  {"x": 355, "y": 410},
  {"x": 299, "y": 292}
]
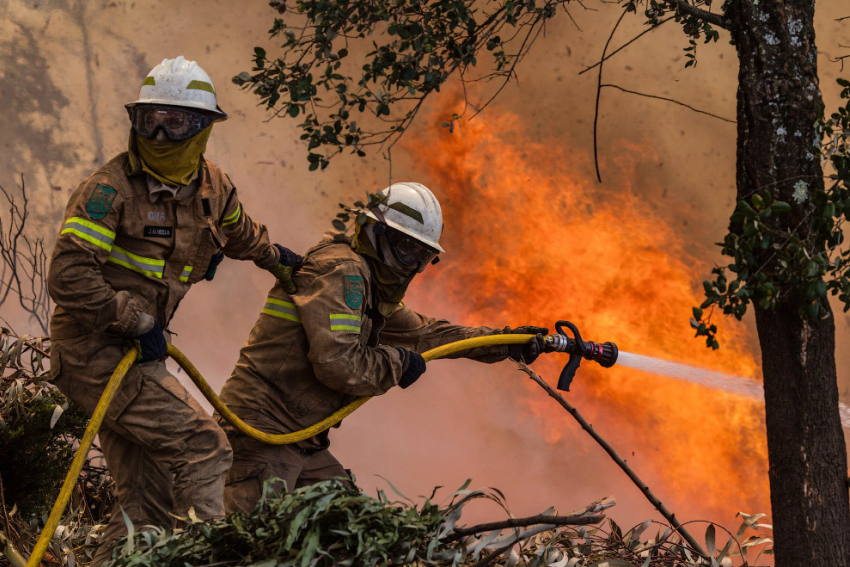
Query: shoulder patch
[
  {"x": 100, "y": 201},
  {"x": 354, "y": 290}
]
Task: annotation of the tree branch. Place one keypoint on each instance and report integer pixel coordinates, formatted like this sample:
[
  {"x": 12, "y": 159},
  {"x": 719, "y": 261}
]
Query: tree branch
[
  {"x": 674, "y": 101},
  {"x": 713, "y": 19},
  {"x": 574, "y": 520},
  {"x": 669, "y": 516},
  {"x": 490, "y": 558},
  {"x": 598, "y": 96},
  {"x": 628, "y": 43}
]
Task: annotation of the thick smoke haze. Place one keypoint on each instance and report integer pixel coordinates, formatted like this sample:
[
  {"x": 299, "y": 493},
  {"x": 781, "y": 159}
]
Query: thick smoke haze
[{"x": 67, "y": 68}]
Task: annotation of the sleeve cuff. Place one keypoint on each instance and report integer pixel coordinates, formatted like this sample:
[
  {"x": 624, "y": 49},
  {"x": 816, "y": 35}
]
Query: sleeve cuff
[
  {"x": 145, "y": 324},
  {"x": 270, "y": 259}
]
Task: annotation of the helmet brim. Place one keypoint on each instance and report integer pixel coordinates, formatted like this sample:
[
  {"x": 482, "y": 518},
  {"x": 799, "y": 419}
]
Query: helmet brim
[
  {"x": 435, "y": 245},
  {"x": 186, "y": 104}
]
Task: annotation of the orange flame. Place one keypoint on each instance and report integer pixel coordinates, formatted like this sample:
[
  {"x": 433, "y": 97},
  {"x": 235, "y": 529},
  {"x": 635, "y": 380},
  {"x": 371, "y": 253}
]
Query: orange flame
[{"x": 536, "y": 238}]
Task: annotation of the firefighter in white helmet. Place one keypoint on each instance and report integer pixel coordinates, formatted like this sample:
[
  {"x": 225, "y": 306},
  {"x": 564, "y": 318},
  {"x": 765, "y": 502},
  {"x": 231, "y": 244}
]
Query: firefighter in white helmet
[
  {"x": 136, "y": 235},
  {"x": 345, "y": 334}
]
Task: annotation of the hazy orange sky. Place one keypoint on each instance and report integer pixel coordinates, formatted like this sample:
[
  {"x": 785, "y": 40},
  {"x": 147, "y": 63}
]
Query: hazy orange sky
[{"x": 67, "y": 68}]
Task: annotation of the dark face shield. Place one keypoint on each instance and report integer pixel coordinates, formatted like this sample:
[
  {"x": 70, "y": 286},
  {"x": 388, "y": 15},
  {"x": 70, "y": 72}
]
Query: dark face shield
[
  {"x": 179, "y": 124},
  {"x": 409, "y": 251}
]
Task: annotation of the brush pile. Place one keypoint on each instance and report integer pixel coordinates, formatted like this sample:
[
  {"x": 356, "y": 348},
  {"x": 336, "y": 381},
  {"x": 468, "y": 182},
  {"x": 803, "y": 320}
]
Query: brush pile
[
  {"x": 39, "y": 431},
  {"x": 332, "y": 524}
]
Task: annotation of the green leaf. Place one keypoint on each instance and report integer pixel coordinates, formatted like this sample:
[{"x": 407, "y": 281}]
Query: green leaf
[
  {"x": 813, "y": 309},
  {"x": 780, "y": 207}
]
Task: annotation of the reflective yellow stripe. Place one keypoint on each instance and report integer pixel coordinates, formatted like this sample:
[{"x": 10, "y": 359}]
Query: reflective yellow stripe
[
  {"x": 140, "y": 264},
  {"x": 346, "y": 316},
  {"x": 90, "y": 232},
  {"x": 234, "y": 217},
  {"x": 187, "y": 271},
  {"x": 149, "y": 81},
  {"x": 201, "y": 86},
  {"x": 338, "y": 320},
  {"x": 281, "y": 309}
]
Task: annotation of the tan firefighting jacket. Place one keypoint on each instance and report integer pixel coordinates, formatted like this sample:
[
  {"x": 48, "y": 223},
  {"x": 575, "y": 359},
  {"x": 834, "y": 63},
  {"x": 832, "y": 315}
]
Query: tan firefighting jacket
[
  {"x": 119, "y": 254},
  {"x": 311, "y": 354}
]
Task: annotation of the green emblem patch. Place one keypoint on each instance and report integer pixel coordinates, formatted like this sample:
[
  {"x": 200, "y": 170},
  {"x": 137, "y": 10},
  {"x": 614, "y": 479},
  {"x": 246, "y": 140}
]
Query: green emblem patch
[
  {"x": 354, "y": 289},
  {"x": 100, "y": 201}
]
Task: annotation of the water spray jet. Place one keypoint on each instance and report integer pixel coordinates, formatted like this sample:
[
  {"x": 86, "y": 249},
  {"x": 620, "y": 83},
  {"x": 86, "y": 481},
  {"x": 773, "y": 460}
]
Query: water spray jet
[
  {"x": 735, "y": 385},
  {"x": 607, "y": 354}
]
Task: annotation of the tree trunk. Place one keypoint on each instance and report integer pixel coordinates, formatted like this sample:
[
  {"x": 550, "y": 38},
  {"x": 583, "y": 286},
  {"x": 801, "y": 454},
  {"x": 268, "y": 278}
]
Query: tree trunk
[{"x": 779, "y": 102}]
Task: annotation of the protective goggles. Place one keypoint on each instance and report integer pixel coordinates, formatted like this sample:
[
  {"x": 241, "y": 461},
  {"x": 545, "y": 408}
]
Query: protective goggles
[
  {"x": 178, "y": 123},
  {"x": 408, "y": 250}
]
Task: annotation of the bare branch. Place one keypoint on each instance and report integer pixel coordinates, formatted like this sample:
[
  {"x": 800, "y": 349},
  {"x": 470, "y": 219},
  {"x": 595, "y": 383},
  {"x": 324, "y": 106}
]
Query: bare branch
[
  {"x": 628, "y": 43},
  {"x": 691, "y": 10},
  {"x": 24, "y": 261},
  {"x": 574, "y": 520},
  {"x": 512, "y": 71},
  {"x": 674, "y": 101},
  {"x": 669, "y": 516},
  {"x": 598, "y": 95}
]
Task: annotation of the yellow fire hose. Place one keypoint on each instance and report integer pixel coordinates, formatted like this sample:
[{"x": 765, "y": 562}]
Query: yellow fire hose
[{"x": 282, "y": 439}]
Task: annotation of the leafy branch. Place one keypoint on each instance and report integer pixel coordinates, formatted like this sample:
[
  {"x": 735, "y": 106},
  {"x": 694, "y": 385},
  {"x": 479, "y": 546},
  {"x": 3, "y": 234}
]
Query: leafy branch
[
  {"x": 416, "y": 47},
  {"x": 774, "y": 259}
]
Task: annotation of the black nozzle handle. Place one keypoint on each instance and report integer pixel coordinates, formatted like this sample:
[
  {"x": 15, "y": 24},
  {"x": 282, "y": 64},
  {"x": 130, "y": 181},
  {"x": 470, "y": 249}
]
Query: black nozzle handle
[{"x": 569, "y": 371}]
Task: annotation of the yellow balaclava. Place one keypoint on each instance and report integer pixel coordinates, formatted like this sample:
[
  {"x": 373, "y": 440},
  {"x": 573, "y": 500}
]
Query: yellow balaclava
[
  {"x": 391, "y": 283},
  {"x": 172, "y": 163}
]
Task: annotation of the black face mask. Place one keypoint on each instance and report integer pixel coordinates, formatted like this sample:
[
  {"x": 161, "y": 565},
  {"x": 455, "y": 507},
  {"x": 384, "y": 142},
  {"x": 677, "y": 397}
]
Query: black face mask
[{"x": 409, "y": 251}]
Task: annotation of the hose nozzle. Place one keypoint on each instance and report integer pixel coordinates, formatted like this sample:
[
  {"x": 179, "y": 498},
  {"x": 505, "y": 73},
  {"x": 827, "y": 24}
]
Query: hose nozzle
[{"x": 603, "y": 353}]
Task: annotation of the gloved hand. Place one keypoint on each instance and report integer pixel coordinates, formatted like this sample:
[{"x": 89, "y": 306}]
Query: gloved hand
[
  {"x": 287, "y": 265},
  {"x": 415, "y": 367},
  {"x": 529, "y": 351},
  {"x": 214, "y": 262},
  {"x": 152, "y": 344}
]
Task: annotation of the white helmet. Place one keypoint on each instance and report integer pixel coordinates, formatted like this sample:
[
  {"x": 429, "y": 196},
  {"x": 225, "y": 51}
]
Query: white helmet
[
  {"x": 411, "y": 208},
  {"x": 179, "y": 82}
]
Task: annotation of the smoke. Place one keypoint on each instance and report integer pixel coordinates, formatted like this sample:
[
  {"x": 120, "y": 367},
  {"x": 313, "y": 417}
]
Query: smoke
[{"x": 67, "y": 68}]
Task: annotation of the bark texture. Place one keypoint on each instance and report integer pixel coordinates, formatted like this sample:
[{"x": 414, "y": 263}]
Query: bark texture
[{"x": 779, "y": 102}]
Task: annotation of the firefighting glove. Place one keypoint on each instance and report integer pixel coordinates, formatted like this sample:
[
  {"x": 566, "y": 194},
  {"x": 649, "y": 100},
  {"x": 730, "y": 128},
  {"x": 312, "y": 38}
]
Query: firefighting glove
[
  {"x": 415, "y": 367},
  {"x": 152, "y": 345},
  {"x": 527, "y": 352},
  {"x": 287, "y": 265},
  {"x": 214, "y": 262}
]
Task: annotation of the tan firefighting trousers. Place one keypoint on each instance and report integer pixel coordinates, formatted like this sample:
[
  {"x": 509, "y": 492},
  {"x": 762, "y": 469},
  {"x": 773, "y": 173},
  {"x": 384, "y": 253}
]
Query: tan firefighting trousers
[
  {"x": 258, "y": 462},
  {"x": 164, "y": 451}
]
